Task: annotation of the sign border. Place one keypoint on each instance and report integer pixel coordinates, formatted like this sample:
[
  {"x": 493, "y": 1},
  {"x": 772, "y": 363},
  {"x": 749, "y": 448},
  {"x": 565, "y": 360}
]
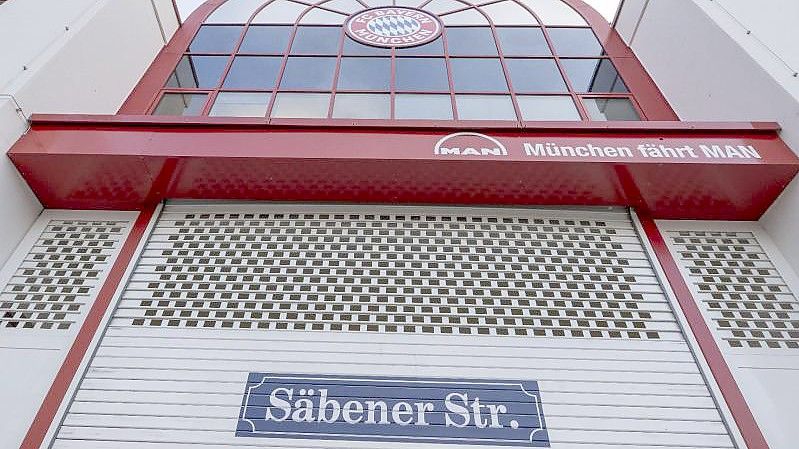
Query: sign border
[{"x": 536, "y": 401}]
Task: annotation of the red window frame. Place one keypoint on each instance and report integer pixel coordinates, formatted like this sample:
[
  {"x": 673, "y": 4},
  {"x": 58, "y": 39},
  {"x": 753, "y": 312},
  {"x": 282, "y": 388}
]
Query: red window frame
[{"x": 647, "y": 100}]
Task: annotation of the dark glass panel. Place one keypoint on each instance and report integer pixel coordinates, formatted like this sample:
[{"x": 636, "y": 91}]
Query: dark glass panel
[
  {"x": 308, "y": 73},
  {"x": 435, "y": 48},
  {"x": 215, "y": 39},
  {"x": 593, "y": 75},
  {"x": 523, "y": 41},
  {"x": 421, "y": 75},
  {"x": 365, "y": 74},
  {"x": 316, "y": 40},
  {"x": 471, "y": 41},
  {"x": 602, "y": 109},
  {"x": 253, "y": 72},
  {"x": 180, "y": 104},
  {"x": 356, "y": 49},
  {"x": 478, "y": 75},
  {"x": 198, "y": 71},
  {"x": 575, "y": 42},
  {"x": 535, "y": 75},
  {"x": 266, "y": 39}
]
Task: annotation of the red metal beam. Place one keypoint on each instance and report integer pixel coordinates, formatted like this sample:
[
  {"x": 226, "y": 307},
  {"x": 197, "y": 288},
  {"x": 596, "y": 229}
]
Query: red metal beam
[{"x": 122, "y": 162}]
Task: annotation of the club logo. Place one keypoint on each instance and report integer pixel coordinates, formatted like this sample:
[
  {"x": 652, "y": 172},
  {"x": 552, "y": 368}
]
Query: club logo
[
  {"x": 469, "y": 144},
  {"x": 393, "y": 27}
]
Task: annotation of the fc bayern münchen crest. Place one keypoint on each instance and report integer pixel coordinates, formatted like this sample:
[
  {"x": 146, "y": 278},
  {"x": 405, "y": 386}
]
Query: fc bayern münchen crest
[{"x": 393, "y": 26}]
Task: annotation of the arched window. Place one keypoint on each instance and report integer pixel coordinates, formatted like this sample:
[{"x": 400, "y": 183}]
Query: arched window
[{"x": 506, "y": 60}]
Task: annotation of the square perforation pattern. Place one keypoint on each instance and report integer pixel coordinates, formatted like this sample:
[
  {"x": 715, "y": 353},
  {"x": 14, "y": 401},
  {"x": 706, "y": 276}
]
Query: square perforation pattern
[
  {"x": 437, "y": 274},
  {"x": 743, "y": 292},
  {"x": 54, "y": 281}
]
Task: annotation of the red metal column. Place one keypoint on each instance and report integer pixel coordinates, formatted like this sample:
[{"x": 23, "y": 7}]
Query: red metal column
[
  {"x": 741, "y": 413},
  {"x": 69, "y": 368}
]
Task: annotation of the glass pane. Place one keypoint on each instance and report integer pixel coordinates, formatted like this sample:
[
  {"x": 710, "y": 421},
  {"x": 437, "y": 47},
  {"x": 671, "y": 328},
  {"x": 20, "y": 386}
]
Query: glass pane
[
  {"x": 557, "y": 12},
  {"x": 593, "y": 75},
  {"x": 421, "y": 75},
  {"x": 523, "y": 42},
  {"x": 346, "y": 6},
  {"x": 278, "y": 12},
  {"x": 410, "y": 3},
  {"x": 215, "y": 39},
  {"x": 267, "y": 39},
  {"x": 309, "y": 73},
  {"x": 509, "y": 13},
  {"x": 475, "y": 41},
  {"x": 547, "y": 107},
  {"x": 610, "y": 109},
  {"x": 320, "y": 16},
  {"x": 365, "y": 74},
  {"x": 362, "y": 106},
  {"x": 435, "y": 48},
  {"x": 316, "y": 40},
  {"x": 575, "y": 42},
  {"x": 180, "y": 104},
  {"x": 442, "y": 6},
  {"x": 535, "y": 75},
  {"x": 421, "y": 106},
  {"x": 198, "y": 71},
  {"x": 234, "y": 11},
  {"x": 253, "y": 72},
  {"x": 485, "y": 107},
  {"x": 241, "y": 104},
  {"x": 467, "y": 17},
  {"x": 354, "y": 48},
  {"x": 299, "y": 105},
  {"x": 478, "y": 75}
]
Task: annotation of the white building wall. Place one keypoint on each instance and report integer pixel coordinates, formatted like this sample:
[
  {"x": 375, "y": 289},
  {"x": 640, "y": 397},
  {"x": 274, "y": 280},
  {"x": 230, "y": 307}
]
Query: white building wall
[
  {"x": 727, "y": 60},
  {"x": 76, "y": 56}
]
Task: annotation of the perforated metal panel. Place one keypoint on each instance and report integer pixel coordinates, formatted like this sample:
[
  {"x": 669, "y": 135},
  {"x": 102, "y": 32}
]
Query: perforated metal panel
[
  {"x": 747, "y": 298},
  {"x": 53, "y": 282},
  {"x": 413, "y": 273}
]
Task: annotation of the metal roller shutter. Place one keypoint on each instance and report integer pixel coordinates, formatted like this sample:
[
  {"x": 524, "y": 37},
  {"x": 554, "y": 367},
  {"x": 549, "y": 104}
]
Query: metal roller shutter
[{"x": 565, "y": 298}]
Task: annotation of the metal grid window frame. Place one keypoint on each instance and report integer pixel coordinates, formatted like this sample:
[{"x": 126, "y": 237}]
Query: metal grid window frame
[{"x": 577, "y": 97}]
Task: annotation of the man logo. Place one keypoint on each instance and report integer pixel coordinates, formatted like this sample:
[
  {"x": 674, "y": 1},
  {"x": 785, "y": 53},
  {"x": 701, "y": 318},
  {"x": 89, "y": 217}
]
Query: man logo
[{"x": 469, "y": 144}]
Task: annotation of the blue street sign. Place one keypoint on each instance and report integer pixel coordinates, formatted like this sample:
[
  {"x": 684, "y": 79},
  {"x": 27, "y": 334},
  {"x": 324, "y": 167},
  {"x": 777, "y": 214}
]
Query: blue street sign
[{"x": 458, "y": 411}]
